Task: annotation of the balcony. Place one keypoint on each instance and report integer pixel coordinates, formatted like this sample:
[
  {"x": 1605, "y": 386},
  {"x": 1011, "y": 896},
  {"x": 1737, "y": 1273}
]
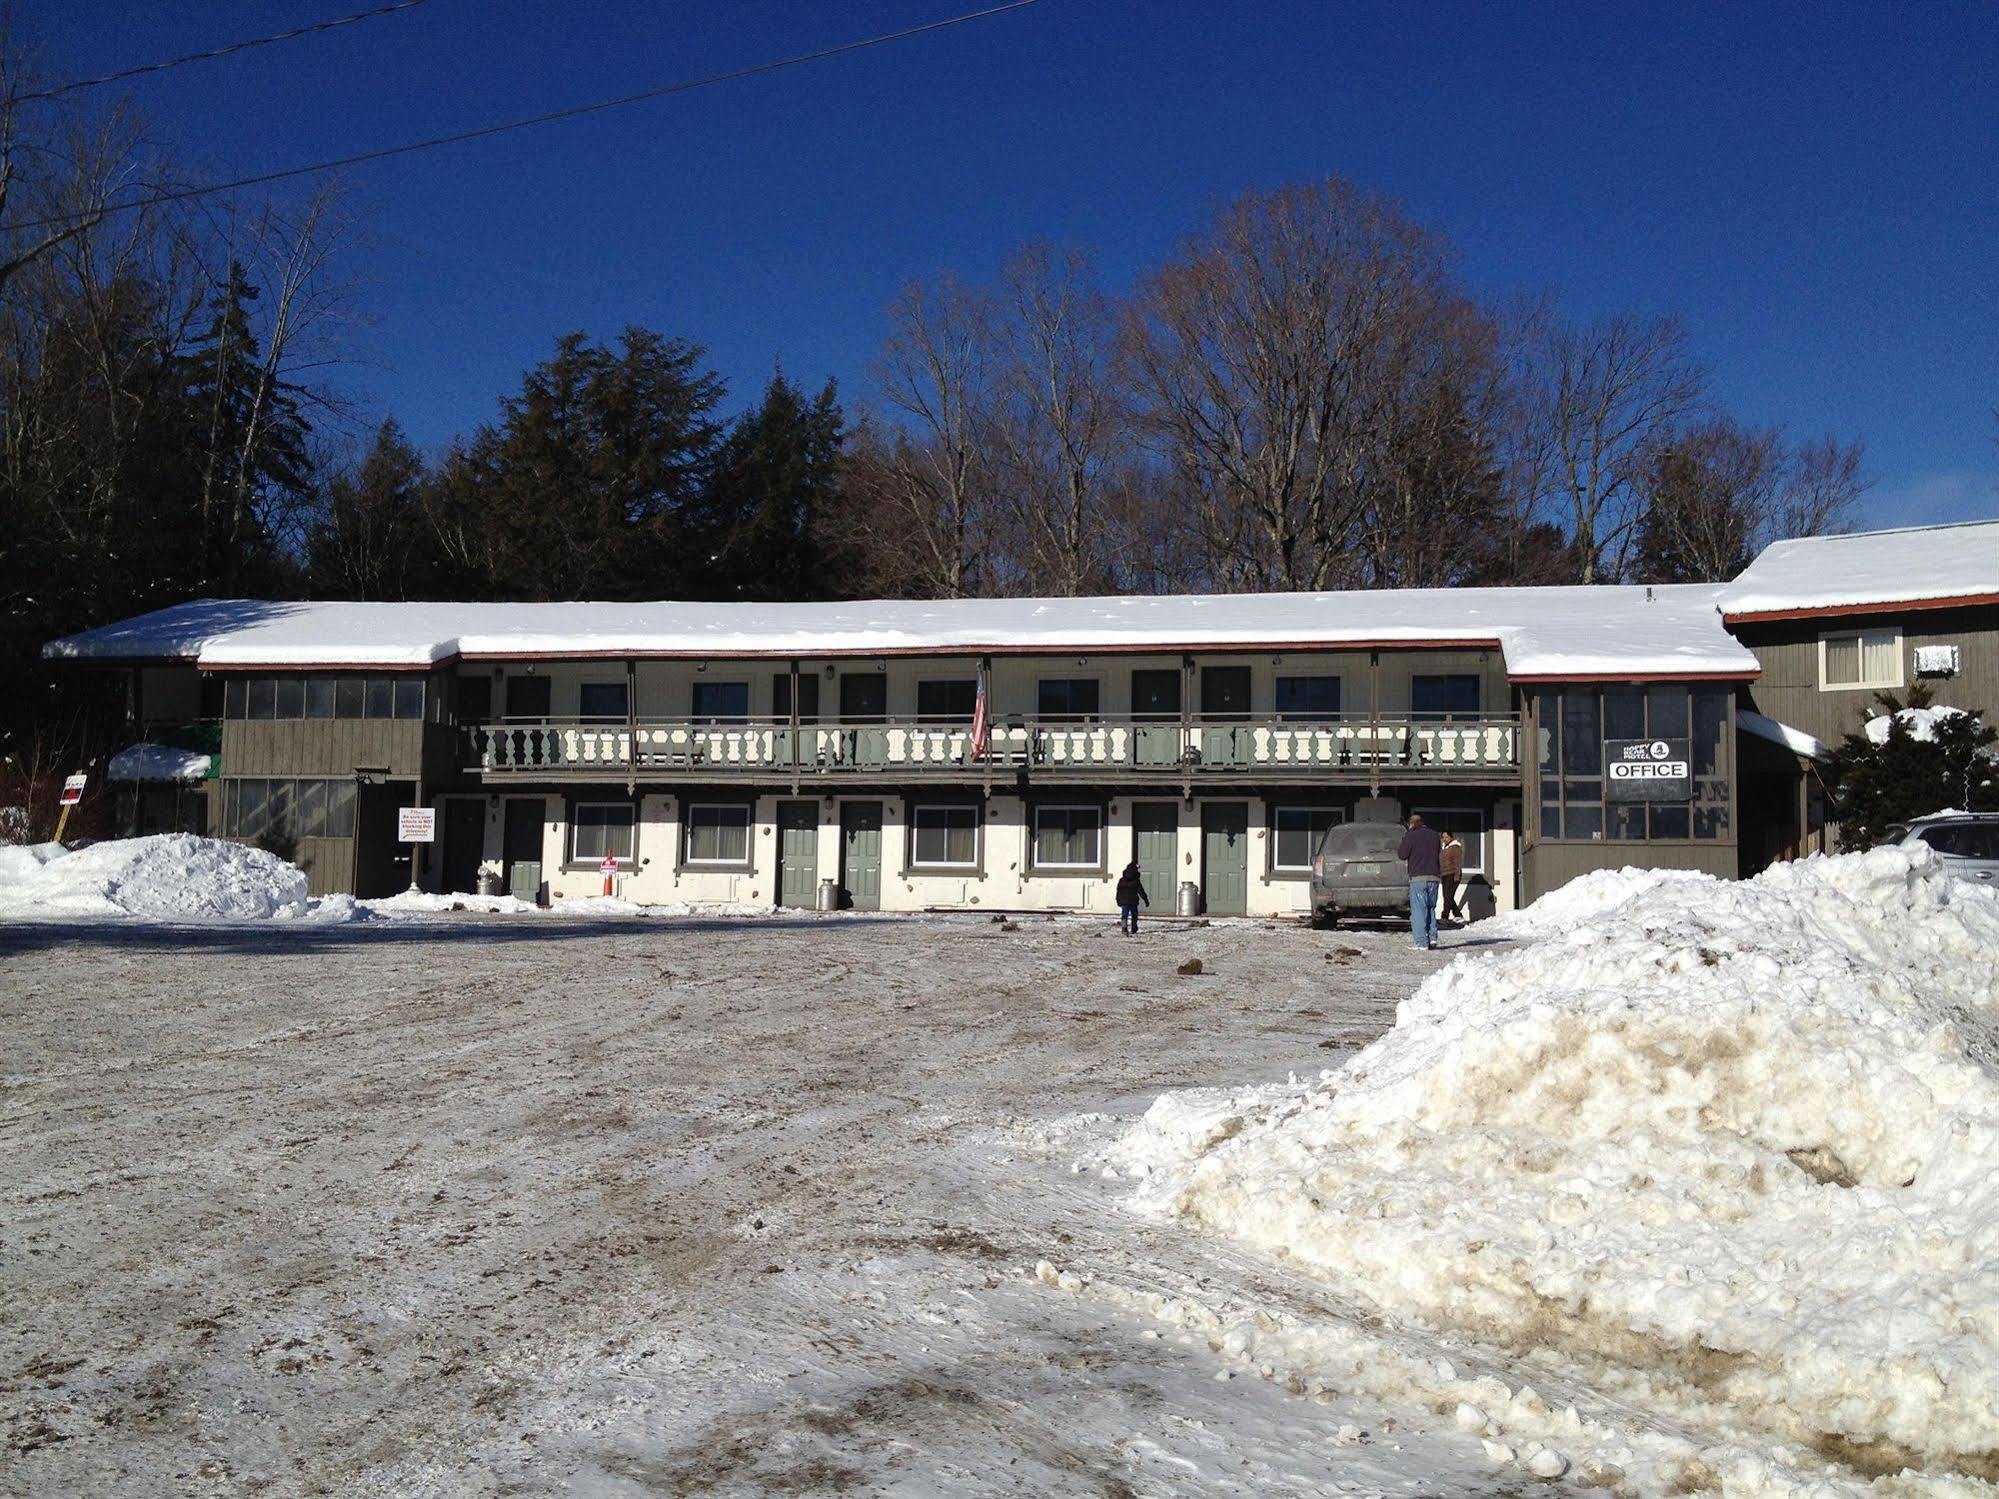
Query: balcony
[{"x": 1349, "y": 749}]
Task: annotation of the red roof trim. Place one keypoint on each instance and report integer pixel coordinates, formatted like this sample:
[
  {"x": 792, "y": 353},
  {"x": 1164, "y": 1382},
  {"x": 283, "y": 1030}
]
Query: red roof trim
[{"x": 1961, "y": 601}]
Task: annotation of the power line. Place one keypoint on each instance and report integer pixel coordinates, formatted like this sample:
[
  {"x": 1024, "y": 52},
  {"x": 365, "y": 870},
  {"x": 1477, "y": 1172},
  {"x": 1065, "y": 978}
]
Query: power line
[
  {"x": 181, "y": 195},
  {"x": 215, "y": 52}
]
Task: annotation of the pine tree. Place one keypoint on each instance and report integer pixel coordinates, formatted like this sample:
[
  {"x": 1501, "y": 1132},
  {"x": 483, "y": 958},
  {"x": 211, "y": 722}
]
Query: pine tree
[
  {"x": 1878, "y": 785},
  {"x": 778, "y": 474},
  {"x": 368, "y": 540}
]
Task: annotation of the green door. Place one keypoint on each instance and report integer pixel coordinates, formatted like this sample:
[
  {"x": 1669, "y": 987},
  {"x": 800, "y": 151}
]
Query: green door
[
  {"x": 1155, "y": 838},
  {"x": 1225, "y": 858},
  {"x": 861, "y": 855},
  {"x": 798, "y": 854},
  {"x": 523, "y": 848}
]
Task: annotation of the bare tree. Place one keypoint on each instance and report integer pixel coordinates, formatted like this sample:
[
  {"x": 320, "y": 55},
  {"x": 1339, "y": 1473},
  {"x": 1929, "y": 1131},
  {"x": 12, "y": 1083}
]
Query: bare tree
[
  {"x": 1057, "y": 431},
  {"x": 1606, "y": 396},
  {"x": 1270, "y": 357},
  {"x": 1821, "y": 488},
  {"x": 931, "y": 487}
]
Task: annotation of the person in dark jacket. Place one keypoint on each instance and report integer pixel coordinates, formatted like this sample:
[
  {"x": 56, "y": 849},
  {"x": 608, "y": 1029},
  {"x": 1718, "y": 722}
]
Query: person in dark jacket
[
  {"x": 1451, "y": 862},
  {"x": 1423, "y": 851},
  {"x": 1130, "y": 891}
]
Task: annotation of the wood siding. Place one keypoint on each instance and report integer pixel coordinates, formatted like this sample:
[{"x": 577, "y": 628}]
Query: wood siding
[
  {"x": 1548, "y": 865},
  {"x": 1789, "y": 690},
  {"x": 322, "y": 746}
]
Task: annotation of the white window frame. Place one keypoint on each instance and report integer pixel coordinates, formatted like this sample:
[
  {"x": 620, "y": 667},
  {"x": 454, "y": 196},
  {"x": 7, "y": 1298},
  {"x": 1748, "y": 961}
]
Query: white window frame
[
  {"x": 1277, "y": 810},
  {"x": 1034, "y": 836},
  {"x": 625, "y": 861},
  {"x": 1428, "y": 814},
  {"x": 688, "y": 861},
  {"x": 1893, "y": 632},
  {"x": 916, "y": 862}
]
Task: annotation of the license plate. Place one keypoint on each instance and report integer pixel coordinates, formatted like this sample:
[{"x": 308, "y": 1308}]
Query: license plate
[{"x": 1367, "y": 871}]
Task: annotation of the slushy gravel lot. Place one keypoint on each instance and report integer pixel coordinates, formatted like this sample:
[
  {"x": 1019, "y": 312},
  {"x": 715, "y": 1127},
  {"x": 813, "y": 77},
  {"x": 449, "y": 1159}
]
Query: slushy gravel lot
[{"x": 527, "y": 1205}]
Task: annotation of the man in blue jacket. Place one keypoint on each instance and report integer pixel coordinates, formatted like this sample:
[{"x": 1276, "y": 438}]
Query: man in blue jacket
[{"x": 1422, "y": 850}]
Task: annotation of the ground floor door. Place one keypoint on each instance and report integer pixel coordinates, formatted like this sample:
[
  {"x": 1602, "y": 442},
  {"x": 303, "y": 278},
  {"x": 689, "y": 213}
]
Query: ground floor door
[
  {"x": 521, "y": 848},
  {"x": 1770, "y": 823},
  {"x": 381, "y": 861},
  {"x": 798, "y": 854},
  {"x": 1225, "y": 858},
  {"x": 861, "y": 855},
  {"x": 464, "y": 845},
  {"x": 1155, "y": 841}
]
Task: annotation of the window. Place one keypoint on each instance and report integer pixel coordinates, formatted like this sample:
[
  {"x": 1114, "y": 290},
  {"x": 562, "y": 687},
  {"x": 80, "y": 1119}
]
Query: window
[
  {"x": 1068, "y": 837},
  {"x": 1453, "y": 695},
  {"x": 721, "y": 702},
  {"x": 263, "y": 698},
  {"x": 1225, "y": 692},
  {"x": 947, "y": 700},
  {"x": 1308, "y": 699},
  {"x": 379, "y": 697},
  {"x": 944, "y": 837},
  {"x": 349, "y": 695},
  {"x": 1155, "y": 695},
  {"x": 718, "y": 834},
  {"x": 1469, "y": 824},
  {"x": 600, "y": 828},
  {"x": 321, "y": 697},
  {"x": 527, "y": 697},
  {"x": 409, "y": 697},
  {"x": 257, "y": 807},
  {"x": 601, "y": 702},
  {"x": 863, "y": 697},
  {"x": 808, "y": 696},
  {"x": 1575, "y": 721},
  {"x": 235, "y": 698},
  {"x": 1964, "y": 840},
  {"x": 1295, "y": 833},
  {"x": 291, "y": 697},
  {"x": 1067, "y": 699},
  {"x": 1863, "y": 658}
]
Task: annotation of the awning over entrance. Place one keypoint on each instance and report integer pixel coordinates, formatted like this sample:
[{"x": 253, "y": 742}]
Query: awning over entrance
[{"x": 1797, "y": 741}]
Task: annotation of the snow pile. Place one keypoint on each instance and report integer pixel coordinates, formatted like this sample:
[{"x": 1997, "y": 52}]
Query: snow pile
[
  {"x": 1587, "y": 897},
  {"x": 1732, "y": 1139},
  {"x": 169, "y": 877},
  {"x": 423, "y": 903},
  {"x": 158, "y": 762},
  {"x": 1921, "y": 723}
]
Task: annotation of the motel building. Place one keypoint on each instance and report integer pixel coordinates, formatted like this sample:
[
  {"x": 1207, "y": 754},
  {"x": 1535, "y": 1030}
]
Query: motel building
[{"x": 1012, "y": 755}]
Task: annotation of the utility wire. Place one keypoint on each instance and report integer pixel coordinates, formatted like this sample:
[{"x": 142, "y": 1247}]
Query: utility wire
[
  {"x": 214, "y": 52},
  {"x": 181, "y": 195}
]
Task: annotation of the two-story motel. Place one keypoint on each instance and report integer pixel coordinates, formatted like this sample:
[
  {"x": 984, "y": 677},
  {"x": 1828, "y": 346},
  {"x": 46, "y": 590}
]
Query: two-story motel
[{"x": 1014, "y": 754}]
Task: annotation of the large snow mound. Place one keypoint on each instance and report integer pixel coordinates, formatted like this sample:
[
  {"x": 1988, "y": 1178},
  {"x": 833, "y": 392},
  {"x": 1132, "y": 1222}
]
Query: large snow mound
[
  {"x": 1737, "y": 1138},
  {"x": 1587, "y": 897},
  {"x": 168, "y": 877}
]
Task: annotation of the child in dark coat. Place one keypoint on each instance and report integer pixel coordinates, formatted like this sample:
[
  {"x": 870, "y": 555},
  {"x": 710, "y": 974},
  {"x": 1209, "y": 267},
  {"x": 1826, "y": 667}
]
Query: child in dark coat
[{"x": 1130, "y": 891}]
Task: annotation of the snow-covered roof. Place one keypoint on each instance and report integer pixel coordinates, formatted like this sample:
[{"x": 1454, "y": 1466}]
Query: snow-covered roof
[
  {"x": 1947, "y": 563},
  {"x": 1543, "y": 632},
  {"x": 1795, "y": 740}
]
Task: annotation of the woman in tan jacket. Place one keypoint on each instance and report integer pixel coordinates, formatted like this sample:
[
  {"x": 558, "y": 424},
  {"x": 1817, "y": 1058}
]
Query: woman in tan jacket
[{"x": 1451, "y": 864}]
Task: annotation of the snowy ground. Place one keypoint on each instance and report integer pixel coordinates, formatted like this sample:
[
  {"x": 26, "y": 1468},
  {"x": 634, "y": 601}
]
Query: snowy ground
[{"x": 503, "y": 1204}]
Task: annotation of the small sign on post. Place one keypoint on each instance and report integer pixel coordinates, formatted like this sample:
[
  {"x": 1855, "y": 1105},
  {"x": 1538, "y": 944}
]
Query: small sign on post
[
  {"x": 609, "y": 870},
  {"x": 416, "y": 824},
  {"x": 72, "y": 793}
]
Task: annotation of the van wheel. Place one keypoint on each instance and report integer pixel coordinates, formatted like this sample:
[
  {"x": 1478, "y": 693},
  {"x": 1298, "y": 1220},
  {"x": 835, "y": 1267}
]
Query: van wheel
[{"x": 1325, "y": 919}]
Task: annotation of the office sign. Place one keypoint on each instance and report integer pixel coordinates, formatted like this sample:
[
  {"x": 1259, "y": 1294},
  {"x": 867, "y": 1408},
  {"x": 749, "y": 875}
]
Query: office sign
[
  {"x": 416, "y": 824},
  {"x": 1648, "y": 770}
]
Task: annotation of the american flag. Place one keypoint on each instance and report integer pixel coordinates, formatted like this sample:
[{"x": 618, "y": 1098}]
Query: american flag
[{"x": 981, "y": 723}]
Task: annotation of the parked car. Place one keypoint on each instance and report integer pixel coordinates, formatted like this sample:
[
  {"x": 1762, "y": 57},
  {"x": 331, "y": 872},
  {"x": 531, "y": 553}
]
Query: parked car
[
  {"x": 1357, "y": 872},
  {"x": 1968, "y": 842}
]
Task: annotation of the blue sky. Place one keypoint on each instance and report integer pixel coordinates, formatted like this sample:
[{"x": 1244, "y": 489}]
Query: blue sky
[{"x": 1814, "y": 187}]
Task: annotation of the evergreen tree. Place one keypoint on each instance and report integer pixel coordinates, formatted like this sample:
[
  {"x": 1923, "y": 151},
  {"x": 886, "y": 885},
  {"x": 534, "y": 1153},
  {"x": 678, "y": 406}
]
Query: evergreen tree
[
  {"x": 778, "y": 474},
  {"x": 1879, "y": 784},
  {"x": 369, "y": 539},
  {"x": 252, "y": 434}
]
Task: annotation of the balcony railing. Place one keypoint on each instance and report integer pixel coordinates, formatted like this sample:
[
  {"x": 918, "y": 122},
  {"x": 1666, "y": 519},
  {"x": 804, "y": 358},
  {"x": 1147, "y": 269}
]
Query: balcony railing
[{"x": 1354, "y": 747}]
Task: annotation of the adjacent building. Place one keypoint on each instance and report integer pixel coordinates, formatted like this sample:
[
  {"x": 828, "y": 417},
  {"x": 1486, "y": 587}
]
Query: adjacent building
[{"x": 1013, "y": 754}]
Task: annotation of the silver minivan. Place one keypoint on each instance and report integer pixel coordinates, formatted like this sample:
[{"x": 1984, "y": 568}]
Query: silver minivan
[
  {"x": 1968, "y": 842},
  {"x": 1357, "y": 871}
]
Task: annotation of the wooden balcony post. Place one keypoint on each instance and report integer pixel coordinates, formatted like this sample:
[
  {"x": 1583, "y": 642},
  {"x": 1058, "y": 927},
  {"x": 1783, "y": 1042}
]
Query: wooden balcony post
[
  {"x": 794, "y": 726},
  {"x": 1374, "y": 723},
  {"x": 631, "y": 726}
]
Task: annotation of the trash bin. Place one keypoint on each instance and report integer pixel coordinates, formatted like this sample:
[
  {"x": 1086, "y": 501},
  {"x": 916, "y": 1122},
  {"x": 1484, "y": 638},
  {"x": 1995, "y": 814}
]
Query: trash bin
[
  {"x": 829, "y": 895},
  {"x": 1189, "y": 903},
  {"x": 489, "y": 882}
]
